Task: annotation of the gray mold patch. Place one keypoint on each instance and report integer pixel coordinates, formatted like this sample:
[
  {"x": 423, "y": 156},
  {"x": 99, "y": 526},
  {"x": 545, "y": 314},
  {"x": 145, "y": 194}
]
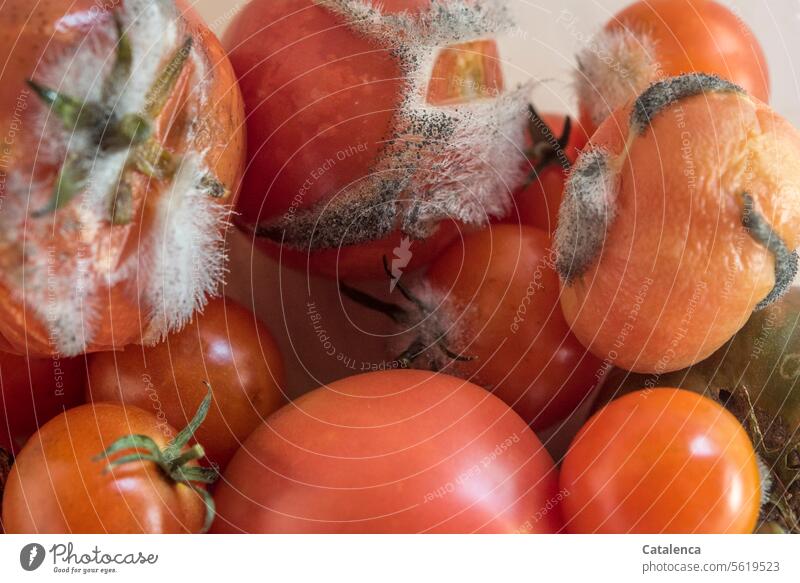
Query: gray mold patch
[
  {"x": 664, "y": 93},
  {"x": 786, "y": 261},
  {"x": 459, "y": 162},
  {"x": 586, "y": 214}
]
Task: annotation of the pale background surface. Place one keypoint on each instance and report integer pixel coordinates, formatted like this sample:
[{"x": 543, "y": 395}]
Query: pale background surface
[
  {"x": 540, "y": 49},
  {"x": 544, "y": 50}
]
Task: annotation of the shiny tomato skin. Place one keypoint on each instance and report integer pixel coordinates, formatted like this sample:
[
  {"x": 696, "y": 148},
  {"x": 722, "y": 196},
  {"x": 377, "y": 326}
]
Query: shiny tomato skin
[
  {"x": 390, "y": 452},
  {"x": 501, "y": 289},
  {"x": 56, "y": 486},
  {"x": 303, "y": 107},
  {"x": 227, "y": 347},
  {"x": 661, "y": 461},
  {"x": 33, "y": 391}
]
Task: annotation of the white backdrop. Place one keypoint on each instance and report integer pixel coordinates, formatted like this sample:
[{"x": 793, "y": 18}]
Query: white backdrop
[{"x": 544, "y": 50}]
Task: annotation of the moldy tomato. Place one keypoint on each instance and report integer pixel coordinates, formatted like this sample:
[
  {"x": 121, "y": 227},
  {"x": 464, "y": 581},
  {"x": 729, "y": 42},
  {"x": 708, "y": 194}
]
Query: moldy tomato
[
  {"x": 487, "y": 310},
  {"x": 360, "y": 125},
  {"x": 654, "y": 39},
  {"x": 679, "y": 219},
  {"x": 225, "y": 345},
  {"x": 125, "y": 153},
  {"x": 106, "y": 468},
  {"x": 390, "y": 452},
  {"x": 662, "y": 461}
]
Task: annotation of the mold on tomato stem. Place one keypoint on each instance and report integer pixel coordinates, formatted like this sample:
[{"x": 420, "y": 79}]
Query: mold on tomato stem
[
  {"x": 112, "y": 125},
  {"x": 615, "y": 65},
  {"x": 586, "y": 214},
  {"x": 786, "y": 261},
  {"x": 426, "y": 321}
]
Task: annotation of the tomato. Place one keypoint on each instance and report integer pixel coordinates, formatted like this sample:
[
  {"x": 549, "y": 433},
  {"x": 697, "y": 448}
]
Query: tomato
[
  {"x": 555, "y": 144},
  {"x": 495, "y": 302},
  {"x": 33, "y": 391},
  {"x": 755, "y": 376},
  {"x": 391, "y": 452},
  {"x": 661, "y": 461},
  {"x": 501, "y": 290},
  {"x": 106, "y": 468},
  {"x": 488, "y": 311},
  {"x": 225, "y": 345},
  {"x": 679, "y": 219},
  {"x": 355, "y": 142},
  {"x": 123, "y": 140},
  {"x": 655, "y": 39}
]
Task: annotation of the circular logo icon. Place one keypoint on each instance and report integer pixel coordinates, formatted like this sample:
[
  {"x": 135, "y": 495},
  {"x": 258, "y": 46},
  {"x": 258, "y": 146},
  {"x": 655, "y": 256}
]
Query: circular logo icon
[{"x": 32, "y": 556}]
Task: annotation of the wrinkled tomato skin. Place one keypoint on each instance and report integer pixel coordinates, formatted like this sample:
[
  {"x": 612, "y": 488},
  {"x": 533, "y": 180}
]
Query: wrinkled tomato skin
[
  {"x": 33, "y": 391},
  {"x": 661, "y": 461},
  {"x": 390, "y": 452},
  {"x": 225, "y": 346},
  {"x": 537, "y": 204},
  {"x": 501, "y": 289},
  {"x": 31, "y": 33},
  {"x": 677, "y": 275},
  {"x": 56, "y": 486}
]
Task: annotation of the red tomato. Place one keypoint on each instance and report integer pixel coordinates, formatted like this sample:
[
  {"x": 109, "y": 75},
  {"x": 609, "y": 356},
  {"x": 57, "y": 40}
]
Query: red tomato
[
  {"x": 33, "y": 391},
  {"x": 123, "y": 149},
  {"x": 554, "y": 149},
  {"x": 499, "y": 295},
  {"x": 663, "y": 461},
  {"x": 60, "y": 485},
  {"x": 391, "y": 452},
  {"x": 227, "y": 347},
  {"x": 332, "y": 143}
]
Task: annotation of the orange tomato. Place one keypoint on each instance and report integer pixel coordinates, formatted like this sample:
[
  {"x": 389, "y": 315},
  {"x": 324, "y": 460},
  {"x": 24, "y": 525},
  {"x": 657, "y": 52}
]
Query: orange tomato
[
  {"x": 123, "y": 153},
  {"x": 661, "y": 461},
  {"x": 656, "y": 39},
  {"x": 679, "y": 219},
  {"x": 498, "y": 296},
  {"x": 227, "y": 347},
  {"x": 59, "y": 485}
]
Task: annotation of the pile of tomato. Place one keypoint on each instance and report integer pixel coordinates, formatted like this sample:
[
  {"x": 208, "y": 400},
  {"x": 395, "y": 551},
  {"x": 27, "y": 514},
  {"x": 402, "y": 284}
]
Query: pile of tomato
[{"x": 631, "y": 270}]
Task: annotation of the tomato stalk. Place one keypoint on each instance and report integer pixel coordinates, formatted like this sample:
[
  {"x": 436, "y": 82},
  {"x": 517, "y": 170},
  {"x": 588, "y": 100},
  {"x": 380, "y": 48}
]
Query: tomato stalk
[
  {"x": 175, "y": 460},
  {"x": 110, "y": 132},
  {"x": 399, "y": 315},
  {"x": 547, "y": 149}
]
